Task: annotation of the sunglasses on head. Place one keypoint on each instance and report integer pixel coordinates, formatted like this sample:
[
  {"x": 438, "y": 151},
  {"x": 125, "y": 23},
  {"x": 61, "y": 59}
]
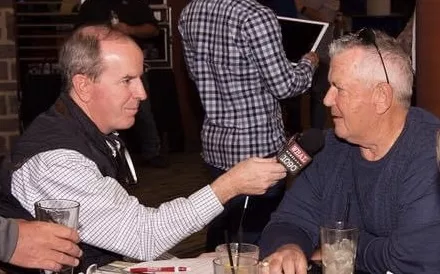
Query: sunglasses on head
[{"x": 368, "y": 37}]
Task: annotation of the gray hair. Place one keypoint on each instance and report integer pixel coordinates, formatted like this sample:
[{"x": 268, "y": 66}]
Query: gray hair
[
  {"x": 397, "y": 63},
  {"x": 81, "y": 52}
]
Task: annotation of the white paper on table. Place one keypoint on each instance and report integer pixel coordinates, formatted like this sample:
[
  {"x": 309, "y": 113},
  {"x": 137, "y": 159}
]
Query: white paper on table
[{"x": 197, "y": 265}]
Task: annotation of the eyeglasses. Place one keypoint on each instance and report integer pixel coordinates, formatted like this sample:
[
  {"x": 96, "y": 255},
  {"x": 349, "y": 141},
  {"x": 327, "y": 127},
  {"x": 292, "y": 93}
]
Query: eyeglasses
[{"x": 368, "y": 37}]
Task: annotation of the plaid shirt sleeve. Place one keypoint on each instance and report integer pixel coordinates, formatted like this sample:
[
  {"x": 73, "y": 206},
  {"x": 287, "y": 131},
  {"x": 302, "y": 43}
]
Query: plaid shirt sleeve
[
  {"x": 263, "y": 34},
  {"x": 187, "y": 50}
]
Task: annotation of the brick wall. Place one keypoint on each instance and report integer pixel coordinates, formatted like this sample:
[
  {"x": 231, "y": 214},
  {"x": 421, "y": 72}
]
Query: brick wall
[{"x": 9, "y": 125}]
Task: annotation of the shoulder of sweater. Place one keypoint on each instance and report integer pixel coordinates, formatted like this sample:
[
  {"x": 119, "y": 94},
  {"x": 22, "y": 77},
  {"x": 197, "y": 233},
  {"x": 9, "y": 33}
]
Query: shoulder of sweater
[
  {"x": 422, "y": 117},
  {"x": 422, "y": 124},
  {"x": 334, "y": 147}
]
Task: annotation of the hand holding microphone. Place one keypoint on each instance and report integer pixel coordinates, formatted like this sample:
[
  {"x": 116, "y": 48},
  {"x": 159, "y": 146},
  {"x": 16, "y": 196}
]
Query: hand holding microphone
[
  {"x": 294, "y": 156},
  {"x": 298, "y": 152},
  {"x": 255, "y": 175},
  {"x": 252, "y": 176}
]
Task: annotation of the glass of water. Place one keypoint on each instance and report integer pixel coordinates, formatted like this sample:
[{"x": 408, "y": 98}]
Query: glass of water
[
  {"x": 64, "y": 212},
  {"x": 338, "y": 248},
  {"x": 240, "y": 265},
  {"x": 238, "y": 249}
]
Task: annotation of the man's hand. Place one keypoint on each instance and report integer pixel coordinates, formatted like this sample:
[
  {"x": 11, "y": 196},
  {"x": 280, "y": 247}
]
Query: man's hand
[
  {"x": 288, "y": 259},
  {"x": 252, "y": 176},
  {"x": 45, "y": 246},
  {"x": 313, "y": 58}
]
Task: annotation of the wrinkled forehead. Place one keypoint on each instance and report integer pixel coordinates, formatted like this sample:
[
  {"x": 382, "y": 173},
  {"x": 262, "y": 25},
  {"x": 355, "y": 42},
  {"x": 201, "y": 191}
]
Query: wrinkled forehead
[
  {"x": 350, "y": 55},
  {"x": 350, "y": 61}
]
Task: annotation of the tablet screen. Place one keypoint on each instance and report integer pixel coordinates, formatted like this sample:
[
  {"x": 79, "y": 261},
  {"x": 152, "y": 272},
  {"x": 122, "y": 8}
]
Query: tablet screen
[{"x": 300, "y": 36}]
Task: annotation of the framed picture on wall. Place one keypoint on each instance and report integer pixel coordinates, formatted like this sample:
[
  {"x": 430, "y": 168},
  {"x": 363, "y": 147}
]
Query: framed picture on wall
[
  {"x": 157, "y": 50},
  {"x": 162, "y": 13}
]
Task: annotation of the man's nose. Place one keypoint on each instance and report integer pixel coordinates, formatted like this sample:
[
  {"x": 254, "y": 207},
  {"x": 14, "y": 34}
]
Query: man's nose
[
  {"x": 329, "y": 98},
  {"x": 139, "y": 91}
]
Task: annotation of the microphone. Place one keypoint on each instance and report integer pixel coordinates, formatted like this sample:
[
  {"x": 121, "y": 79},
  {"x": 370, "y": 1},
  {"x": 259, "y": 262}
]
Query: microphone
[
  {"x": 300, "y": 149},
  {"x": 295, "y": 155}
]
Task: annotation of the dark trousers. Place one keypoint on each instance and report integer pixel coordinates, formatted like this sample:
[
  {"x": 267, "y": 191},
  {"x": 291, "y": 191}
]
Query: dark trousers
[{"x": 256, "y": 217}]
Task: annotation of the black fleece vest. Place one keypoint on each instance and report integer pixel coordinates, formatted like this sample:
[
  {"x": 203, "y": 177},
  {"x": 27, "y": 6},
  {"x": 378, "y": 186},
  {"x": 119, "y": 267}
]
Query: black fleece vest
[{"x": 65, "y": 126}]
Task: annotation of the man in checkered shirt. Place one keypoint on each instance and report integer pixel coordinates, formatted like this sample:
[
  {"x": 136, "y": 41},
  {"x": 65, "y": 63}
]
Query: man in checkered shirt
[{"x": 234, "y": 53}]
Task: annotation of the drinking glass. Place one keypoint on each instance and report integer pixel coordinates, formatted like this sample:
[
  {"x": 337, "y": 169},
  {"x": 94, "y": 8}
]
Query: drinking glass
[
  {"x": 246, "y": 265},
  {"x": 248, "y": 250},
  {"x": 64, "y": 212},
  {"x": 338, "y": 248}
]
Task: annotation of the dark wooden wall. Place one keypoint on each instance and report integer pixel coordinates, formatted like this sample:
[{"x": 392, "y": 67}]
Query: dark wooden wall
[{"x": 428, "y": 57}]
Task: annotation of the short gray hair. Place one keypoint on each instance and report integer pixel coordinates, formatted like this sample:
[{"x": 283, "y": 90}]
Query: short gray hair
[
  {"x": 397, "y": 62},
  {"x": 81, "y": 52}
]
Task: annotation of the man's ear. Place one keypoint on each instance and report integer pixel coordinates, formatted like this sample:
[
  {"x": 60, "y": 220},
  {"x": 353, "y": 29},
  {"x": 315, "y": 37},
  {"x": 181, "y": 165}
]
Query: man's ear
[
  {"x": 82, "y": 87},
  {"x": 382, "y": 97}
]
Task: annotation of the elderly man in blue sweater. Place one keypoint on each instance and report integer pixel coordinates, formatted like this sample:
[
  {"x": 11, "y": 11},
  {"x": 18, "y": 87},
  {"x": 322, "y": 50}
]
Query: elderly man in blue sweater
[{"x": 380, "y": 158}]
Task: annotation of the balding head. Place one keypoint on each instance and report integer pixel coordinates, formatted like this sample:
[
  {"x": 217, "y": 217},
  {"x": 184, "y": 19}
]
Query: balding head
[{"x": 81, "y": 52}]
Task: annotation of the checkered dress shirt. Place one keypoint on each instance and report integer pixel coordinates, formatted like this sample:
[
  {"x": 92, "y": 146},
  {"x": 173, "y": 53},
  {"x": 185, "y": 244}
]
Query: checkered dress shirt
[
  {"x": 109, "y": 217},
  {"x": 234, "y": 53}
]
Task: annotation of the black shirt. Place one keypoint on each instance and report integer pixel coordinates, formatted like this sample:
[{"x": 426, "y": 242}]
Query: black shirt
[{"x": 130, "y": 12}]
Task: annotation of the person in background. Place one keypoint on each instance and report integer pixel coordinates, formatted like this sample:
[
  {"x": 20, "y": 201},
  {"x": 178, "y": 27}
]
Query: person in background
[
  {"x": 325, "y": 11},
  {"x": 286, "y": 8},
  {"x": 234, "y": 54},
  {"x": 407, "y": 35},
  {"x": 38, "y": 244},
  {"x": 73, "y": 152},
  {"x": 290, "y": 107},
  {"x": 134, "y": 18},
  {"x": 318, "y": 10},
  {"x": 406, "y": 39},
  {"x": 377, "y": 171}
]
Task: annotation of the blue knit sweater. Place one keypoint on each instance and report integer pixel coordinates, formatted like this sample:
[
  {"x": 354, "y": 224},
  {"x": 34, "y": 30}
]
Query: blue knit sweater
[{"x": 394, "y": 201}]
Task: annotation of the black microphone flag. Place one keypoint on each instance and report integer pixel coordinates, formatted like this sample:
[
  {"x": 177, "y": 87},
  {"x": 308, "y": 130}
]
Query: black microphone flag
[{"x": 300, "y": 149}]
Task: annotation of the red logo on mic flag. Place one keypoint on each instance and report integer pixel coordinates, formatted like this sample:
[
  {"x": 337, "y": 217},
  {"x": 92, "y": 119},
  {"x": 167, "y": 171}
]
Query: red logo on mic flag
[{"x": 299, "y": 153}]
